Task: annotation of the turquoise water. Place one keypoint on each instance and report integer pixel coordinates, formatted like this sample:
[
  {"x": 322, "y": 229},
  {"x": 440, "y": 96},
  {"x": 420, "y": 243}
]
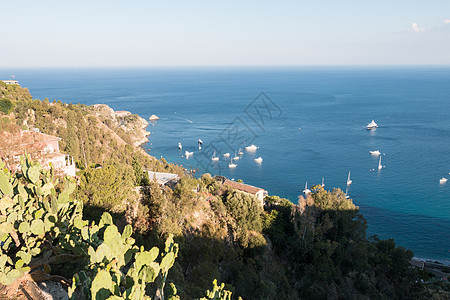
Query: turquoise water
[{"x": 308, "y": 124}]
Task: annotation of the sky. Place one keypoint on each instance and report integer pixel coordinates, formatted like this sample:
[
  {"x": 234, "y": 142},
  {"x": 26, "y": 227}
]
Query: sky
[{"x": 223, "y": 33}]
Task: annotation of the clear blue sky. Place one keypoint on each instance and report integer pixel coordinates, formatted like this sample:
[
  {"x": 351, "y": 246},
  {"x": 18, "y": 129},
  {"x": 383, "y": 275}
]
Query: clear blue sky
[{"x": 223, "y": 33}]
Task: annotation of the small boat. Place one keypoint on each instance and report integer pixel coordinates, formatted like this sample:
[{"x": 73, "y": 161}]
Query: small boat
[
  {"x": 349, "y": 181},
  {"x": 346, "y": 193},
  {"x": 251, "y": 148},
  {"x": 376, "y": 152},
  {"x": 379, "y": 164},
  {"x": 372, "y": 125},
  {"x": 180, "y": 146},
  {"x": 306, "y": 191},
  {"x": 258, "y": 160},
  {"x": 232, "y": 164},
  {"x": 443, "y": 180},
  {"x": 323, "y": 184},
  {"x": 214, "y": 157},
  {"x": 236, "y": 157},
  {"x": 240, "y": 152},
  {"x": 226, "y": 154},
  {"x": 187, "y": 153},
  {"x": 200, "y": 143}
]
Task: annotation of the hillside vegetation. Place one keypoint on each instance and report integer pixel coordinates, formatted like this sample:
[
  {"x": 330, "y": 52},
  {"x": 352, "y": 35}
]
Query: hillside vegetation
[{"x": 317, "y": 249}]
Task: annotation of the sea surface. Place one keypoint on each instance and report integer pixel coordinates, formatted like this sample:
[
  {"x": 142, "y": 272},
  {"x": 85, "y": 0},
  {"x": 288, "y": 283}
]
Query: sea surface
[{"x": 309, "y": 123}]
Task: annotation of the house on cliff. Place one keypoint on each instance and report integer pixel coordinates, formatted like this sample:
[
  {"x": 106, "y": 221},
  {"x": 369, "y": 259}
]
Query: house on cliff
[
  {"x": 41, "y": 147},
  {"x": 259, "y": 193}
]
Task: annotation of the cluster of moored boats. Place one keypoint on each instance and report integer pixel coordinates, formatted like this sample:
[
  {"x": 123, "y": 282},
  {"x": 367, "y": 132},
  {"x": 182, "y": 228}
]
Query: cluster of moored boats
[
  {"x": 215, "y": 158},
  {"x": 370, "y": 126}
]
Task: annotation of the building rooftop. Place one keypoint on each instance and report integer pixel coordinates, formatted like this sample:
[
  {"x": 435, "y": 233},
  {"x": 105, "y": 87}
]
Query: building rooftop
[
  {"x": 243, "y": 187},
  {"x": 25, "y": 140},
  {"x": 162, "y": 178}
]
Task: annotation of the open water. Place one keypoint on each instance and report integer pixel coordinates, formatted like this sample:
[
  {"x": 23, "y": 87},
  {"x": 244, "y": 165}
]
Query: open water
[{"x": 308, "y": 123}]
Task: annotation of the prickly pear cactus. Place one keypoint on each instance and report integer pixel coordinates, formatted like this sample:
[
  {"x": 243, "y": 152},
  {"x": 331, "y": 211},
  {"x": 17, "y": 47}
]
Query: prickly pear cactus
[
  {"x": 35, "y": 211},
  {"x": 118, "y": 269},
  {"x": 218, "y": 292}
]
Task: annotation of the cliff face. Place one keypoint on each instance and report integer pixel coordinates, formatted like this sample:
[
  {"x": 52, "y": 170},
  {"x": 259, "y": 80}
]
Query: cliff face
[{"x": 133, "y": 125}]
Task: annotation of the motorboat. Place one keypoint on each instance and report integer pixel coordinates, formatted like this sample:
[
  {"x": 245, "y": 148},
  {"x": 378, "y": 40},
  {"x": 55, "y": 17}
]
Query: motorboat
[
  {"x": 372, "y": 125},
  {"x": 226, "y": 154},
  {"x": 375, "y": 153},
  {"x": 349, "y": 181},
  {"x": 258, "y": 160},
  {"x": 187, "y": 153},
  {"x": 306, "y": 191},
  {"x": 443, "y": 180},
  {"x": 251, "y": 148}
]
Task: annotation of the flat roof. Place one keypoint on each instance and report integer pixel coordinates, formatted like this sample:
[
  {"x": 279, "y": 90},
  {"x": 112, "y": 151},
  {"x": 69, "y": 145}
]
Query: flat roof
[{"x": 162, "y": 178}]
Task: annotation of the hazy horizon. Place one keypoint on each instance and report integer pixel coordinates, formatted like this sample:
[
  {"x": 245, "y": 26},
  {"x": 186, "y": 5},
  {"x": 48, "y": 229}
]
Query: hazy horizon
[{"x": 233, "y": 34}]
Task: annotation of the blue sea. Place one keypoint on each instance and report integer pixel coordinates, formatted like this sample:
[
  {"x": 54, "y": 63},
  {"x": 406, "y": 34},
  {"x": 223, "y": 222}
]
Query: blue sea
[{"x": 308, "y": 122}]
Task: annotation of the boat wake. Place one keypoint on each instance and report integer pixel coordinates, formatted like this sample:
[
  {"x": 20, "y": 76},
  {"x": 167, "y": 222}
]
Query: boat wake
[{"x": 189, "y": 121}]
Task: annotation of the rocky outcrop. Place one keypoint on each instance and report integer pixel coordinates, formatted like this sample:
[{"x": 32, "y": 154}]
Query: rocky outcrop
[
  {"x": 133, "y": 125},
  {"x": 153, "y": 118}
]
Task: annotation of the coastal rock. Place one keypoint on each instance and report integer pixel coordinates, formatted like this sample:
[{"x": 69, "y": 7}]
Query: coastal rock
[
  {"x": 133, "y": 125},
  {"x": 153, "y": 118}
]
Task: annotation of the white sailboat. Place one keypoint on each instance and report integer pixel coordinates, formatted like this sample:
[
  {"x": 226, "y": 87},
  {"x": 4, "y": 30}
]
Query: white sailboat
[
  {"x": 349, "y": 181},
  {"x": 375, "y": 153},
  {"x": 346, "y": 193},
  {"x": 187, "y": 153},
  {"x": 379, "y": 164},
  {"x": 240, "y": 152},
  {"x": 306, "y": 191},
  {"x": 323, "y": 183},
  {"x": 226, "y": 154},
  {"x": 236, "y": 157},
  {"x": 443, "y": 180},
  {"x": 180, "y": 146},
  {"x": 232, "y": 164},
  {"x": 258, "y": 160},
  {"x": 214, "y": 157}
]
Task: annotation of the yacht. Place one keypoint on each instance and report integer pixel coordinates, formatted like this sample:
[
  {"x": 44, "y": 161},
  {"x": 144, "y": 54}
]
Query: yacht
[
  {"x": 346, "y": 193},
  {"x": 323, "y": 183},
  {"x": 187, "y": 153},
  {"x": 179, "y": 146},
  {"x": 214, "y": 157},
  {"x": 251, "y": 148},
  {"x": 226, "y": 154},
  {"x": 258, "y": 160},
  {"x": 349, "y": 181},
  {"x": 240, "y": 152},
  {"x": 306, "y": 191},
  {"x": 372, "y": 125},
  {"x": 375, "y": 153},
  {"x": 443, "y": 180}
]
